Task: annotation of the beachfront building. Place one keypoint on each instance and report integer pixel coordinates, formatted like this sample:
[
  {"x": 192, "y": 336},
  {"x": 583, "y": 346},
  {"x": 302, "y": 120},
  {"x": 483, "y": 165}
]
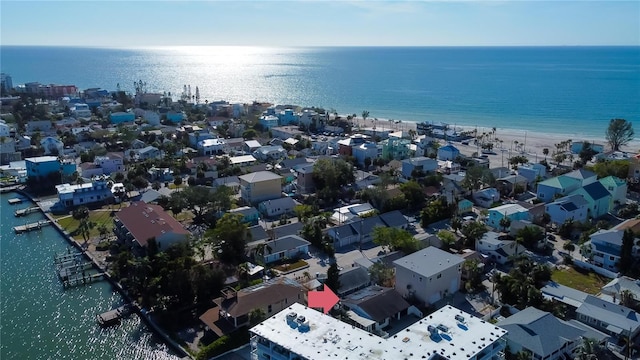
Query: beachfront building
[
  {"x": 140, "y": 222},
  {"x": 287, "y": 117},
  {"x": 511, "y": 211},
  {"x": 428, "y": 275},
  {"x": 95, "y": 192},
  {"x": 299, "y": 332},
  {"x": 260, "y": 186}
]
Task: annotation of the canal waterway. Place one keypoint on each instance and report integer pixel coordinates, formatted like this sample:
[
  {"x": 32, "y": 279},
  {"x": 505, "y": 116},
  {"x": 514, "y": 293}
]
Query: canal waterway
[{"x": 39, "y": 319}]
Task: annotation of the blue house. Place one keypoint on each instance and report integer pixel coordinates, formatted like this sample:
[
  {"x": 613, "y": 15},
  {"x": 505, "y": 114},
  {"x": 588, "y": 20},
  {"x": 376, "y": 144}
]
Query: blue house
[
  {"x": 448, "y": 152},
  {"x": 597, "y": 197},
  {"x": 560, "y": 185},
  {"x": 287, "y": 117},
  {"x": 418, "y": 164},
  {"x": 512, "y": 211},
  {"x": 121, "y": 117},
  {"x": 250, "y": 215},
  {"x": 175, "y": 116},
  {"x": 569, "y": 207},
  {"x": 40, "y": 167},
  {"x": 268, "y": 121},
  {"x": 290, "y": 247}
]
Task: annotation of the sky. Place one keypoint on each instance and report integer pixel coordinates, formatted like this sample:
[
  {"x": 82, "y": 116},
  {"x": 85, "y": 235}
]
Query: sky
[{"x": 319, "y": 23}]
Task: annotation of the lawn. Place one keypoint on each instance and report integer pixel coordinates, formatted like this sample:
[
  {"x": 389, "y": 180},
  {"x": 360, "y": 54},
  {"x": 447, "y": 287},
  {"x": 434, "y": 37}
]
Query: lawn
[
  {"x": 98, "y": 217},
  {"x": 582, "y": 280},
  {"x": 291, "y": 266}
]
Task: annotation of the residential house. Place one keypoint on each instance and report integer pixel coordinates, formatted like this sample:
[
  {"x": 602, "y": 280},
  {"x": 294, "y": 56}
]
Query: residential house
[
  {"x": 42, "y": 126},
  {"x": 511, "y": 184},
  {"x": 349, "y": 213},
  {"x": 464, "y": 206},
  {"x": 372, "y": 308},
  {"x": 249, "y": 214},
  {"x": 268, "y": 121},
  {"x": 532, "y": 172},
  {"x": 604, "y": 248},
  {"x": 364, "y": 151},
  {"x": 512, "y": 211},
  {"x": 52, "y": 146},
  {"x": 231, "y": 182},
  {"x": 365, "y": 179},
  {"x": 617, "y": 188},
  {"x": 615, "y": 289},
  {"x": 285, "y": 132},
  {"x": 121, "y": 117},
  {"x": 352, "y": 280},
  {"x": 304, "y": 178},
  {"x": 269, "y": 153},
  {"x": 360, "y": 231},
  {"x": 286, "y": 247},
  {"x": 42, "y": 166},
  {"x": 102, "y": 165},
  {"x": 233, "y": 307},
  {"x": 585, "y": 177},
  {"x": 634, "y": 167},
  {"x": 345, "y": 146},
  {"x": 618, "y": 321},
  {"x": 428, "y": 275},
  {"x": 250, "y": 146},
  {"x": 136, "y": 224},
  {"x": 418, "y": 166},
  {"x": 234, "y": 144},
  {"x": 598, "y": 199},
  {"x": 147, "y": 153},
  {"x": 569, "y": 207},
  {"x": 175, "y": 116},
  {"x": 211, "y": 146},
  {"x": 277, "y": 207},
  {"x": 260, "y": 186},
  {"x": 308, "y": 117},
  {"x": 564, "y": 294},
  {"x": 498, "y": 250},
  {"x": 398, "y": 149},
  {"x": 196, "y": 136},
  {"x": 287, "y": 117},
  {"x": 448, "y": 152},
  {"x": 80, "y": 111},
  {"x": 96, "y": 191},
  {"x": 548, "y": 190},
  {"x": 242, "y": 160},
  {"x": 486, "y": 197},
  {"x": 541, "y": 334}
]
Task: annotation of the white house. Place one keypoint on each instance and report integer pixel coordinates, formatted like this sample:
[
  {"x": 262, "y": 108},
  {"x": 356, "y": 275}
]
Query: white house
[
  {"x": 604, "y": 248},
  {"x": 211, "y": 146},
  {"x": 81, "y": 110},
  {"x": 366, "y": 150},
  {"x": 266, "y": 153},
  {"x": 497, "y": 250},
  {"x": 429, "y": 274},
  {"x": 277, "y": 207},
  {"x": 84, "y": 194}
]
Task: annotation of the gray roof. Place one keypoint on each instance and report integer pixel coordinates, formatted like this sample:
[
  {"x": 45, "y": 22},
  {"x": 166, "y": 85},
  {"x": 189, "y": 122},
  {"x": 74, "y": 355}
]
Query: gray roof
[
  {"x": 609, "y": 313},
  {"x": 285, "y": 243},
  {"x": 430, "y": 261},
  {"x": 618, "y": 285},
  {"x": 259, "y": 176},
  {"x": 150, "y": 196},
  {"x": 539, "y": 331},
  {"x": 564, "y": 294},
  {"x": 379, "y": 303},
  {"x": 245, "y": 211},
  {"x": 394, "y": 219},
  {"x": 353, "y": 279},
  {"x": 279, "y": 203},
  {"x": 580, "y": 174},
  {"x": 290, "y": 229},
  {"x": 258, "y": 234}
]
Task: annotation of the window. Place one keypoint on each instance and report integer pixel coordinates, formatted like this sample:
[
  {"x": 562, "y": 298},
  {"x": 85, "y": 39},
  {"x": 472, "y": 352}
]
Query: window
[
  {"x": 439, "y": 276},
  {"x": 269, "y": 309}
]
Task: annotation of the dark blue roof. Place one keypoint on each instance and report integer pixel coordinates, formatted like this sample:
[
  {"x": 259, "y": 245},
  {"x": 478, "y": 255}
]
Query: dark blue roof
[
  {"x": 596, "y": 190},
  {"x": 569, "y": 206}
]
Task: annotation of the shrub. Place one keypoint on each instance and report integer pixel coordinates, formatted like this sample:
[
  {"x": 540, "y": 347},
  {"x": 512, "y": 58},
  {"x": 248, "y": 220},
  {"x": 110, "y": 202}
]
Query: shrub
[{"x": 224, "y": 344}]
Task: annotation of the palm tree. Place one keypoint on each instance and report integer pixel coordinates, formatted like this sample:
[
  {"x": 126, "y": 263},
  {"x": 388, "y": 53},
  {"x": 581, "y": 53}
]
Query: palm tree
[
  {"x": 545, "y": 151},
  {"x": 260, "y": 251},
  {"x": 626, "y": 298},
  {"x": 505, "y": 222},
  {"x": 84, "y": 229},
  {"x": 588, "y": 350},
  {"x": 365, "y": 115}
]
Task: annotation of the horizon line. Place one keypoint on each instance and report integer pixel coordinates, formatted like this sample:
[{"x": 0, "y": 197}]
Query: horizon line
[{"x": 315, "y": 46}]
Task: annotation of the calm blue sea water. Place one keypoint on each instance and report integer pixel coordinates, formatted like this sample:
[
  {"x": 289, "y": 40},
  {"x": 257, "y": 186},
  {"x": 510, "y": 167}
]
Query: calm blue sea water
[
  {"x": 564, "y": 90},
  {"x": 41, "y": 320}
]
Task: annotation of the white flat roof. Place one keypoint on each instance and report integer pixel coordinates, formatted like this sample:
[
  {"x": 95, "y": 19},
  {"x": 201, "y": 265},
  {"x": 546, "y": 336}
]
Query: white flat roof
[
  {"x": 328, "y": 337},
  {"x": 69, "y": 188},
  {"x": 242, "y": 159},
  {"x": 41, "y": 159}
]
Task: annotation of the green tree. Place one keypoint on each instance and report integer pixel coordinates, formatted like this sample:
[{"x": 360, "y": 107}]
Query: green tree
[
  {"x": 505, "y": 222},
  {"x": 333, "y": 278},
  {"x": 413, "y": 193},
  {"x": 330, "y": 175},
  {"x": 619, "y": 133},
  {"x": 476, "y": 177},
  {"x": 589, "y": 350},
  {"x": 396, "y": 239},
  {"x": 435, "y": 210},
  {"x": 569, "y": 246},
  {"x": 256, "y": 316},
  {"x": 79, "y": 213},
  {"x": 447, "y": 237},
  {"x": 382, "y": 274},
  {"x": 473, "y": 231},
  {"x": 456, "y": 224},
  {"x": 230, "y": 238},
  {"x": 473, "y": 273},
  {"x": 529, "y": 236},
  {"x": 626, "y": 254},
  {"x": 587, "y": 152},
  {"x": 617, "y": 168},
  {"x": 102, "y": 229}
]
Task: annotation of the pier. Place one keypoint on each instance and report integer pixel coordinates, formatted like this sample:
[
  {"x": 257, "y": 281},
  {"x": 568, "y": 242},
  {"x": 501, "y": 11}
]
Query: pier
[
  {"x": 30, "y": 227},
  {"x": 14, "y": 201},
  {"x": 26, "y": 211},
  {"x": 7, "y": 189},
  {"x": 72, "y": 270},
  {"x": 113, "y": 317}
]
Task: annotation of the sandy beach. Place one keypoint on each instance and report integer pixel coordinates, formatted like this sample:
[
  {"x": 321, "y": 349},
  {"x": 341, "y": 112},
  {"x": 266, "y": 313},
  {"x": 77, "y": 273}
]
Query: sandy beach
[{"x": 513, "y": 142}]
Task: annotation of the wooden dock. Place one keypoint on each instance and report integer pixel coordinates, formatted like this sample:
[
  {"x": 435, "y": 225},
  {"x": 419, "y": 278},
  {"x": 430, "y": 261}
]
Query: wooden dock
[
  {"x": 112, "y": 317},
  {"x": 72, "y": 269},
  {"x": 7, "y": 189},
  {"x": 14, "y": 201},
  {"x": 26, "y": 211},
  {"x": 30, "y": 227}
]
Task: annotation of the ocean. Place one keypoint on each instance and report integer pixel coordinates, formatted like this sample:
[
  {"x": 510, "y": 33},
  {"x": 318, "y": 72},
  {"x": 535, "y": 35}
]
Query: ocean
[
  {"x": 39, "y": 319},
  {"x": 571, "y": 91}
]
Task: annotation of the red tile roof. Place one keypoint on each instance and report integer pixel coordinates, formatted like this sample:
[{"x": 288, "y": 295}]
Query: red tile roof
[{"x": 146, "y": 221}]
